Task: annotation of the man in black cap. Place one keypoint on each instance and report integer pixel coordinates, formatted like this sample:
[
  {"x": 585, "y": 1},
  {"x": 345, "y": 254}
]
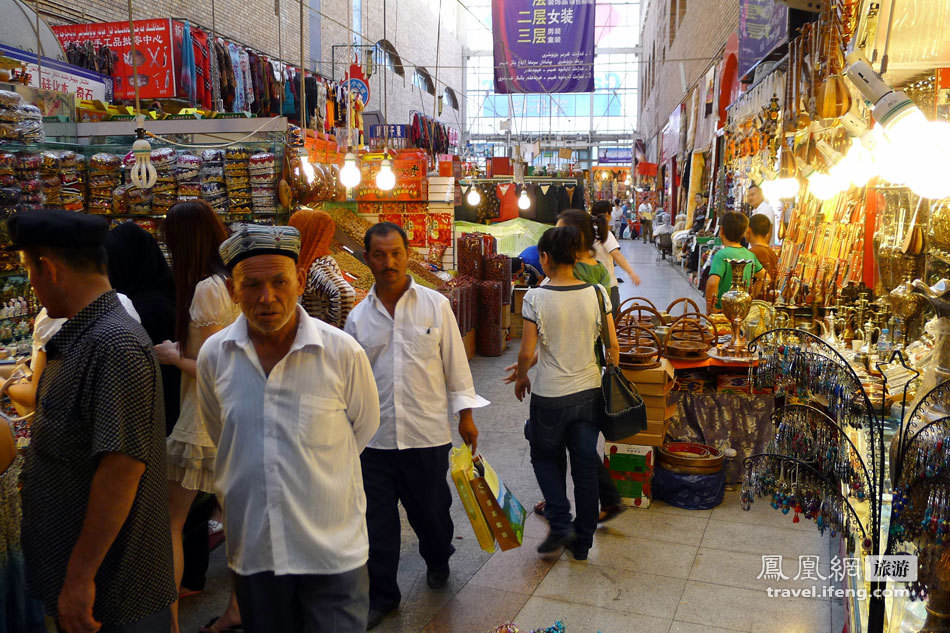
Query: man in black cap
[{"x": 95, "y": 514}]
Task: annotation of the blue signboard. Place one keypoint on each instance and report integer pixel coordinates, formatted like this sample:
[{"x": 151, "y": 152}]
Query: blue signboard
[{"x": 394, "y": 131}]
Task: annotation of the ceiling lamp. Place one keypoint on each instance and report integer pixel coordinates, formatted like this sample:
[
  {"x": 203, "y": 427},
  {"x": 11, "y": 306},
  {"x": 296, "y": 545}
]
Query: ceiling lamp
[
  {"x": 350, "y": 174},
  {"x": 473, "y": 197},
  {"x": 143, "y": 173},
  {"x": 912, "y": 150},
  {"x": 385, "y": 178},
  {"x": 820, "y": 185},
  {"x": 786, "y": 185},
  {"x": 523, "y": 201},
  {"x": 930, "y": 179}
]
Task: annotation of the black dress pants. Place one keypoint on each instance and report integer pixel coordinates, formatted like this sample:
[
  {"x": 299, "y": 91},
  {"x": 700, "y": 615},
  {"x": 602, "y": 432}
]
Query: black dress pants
[
  {"x": 304, "y": 603},
  {"x": 417, "y": 478}
]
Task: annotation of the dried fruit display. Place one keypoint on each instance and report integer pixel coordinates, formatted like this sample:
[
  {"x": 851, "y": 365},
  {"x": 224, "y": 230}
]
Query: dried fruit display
[{"x": 349, "y": 264}]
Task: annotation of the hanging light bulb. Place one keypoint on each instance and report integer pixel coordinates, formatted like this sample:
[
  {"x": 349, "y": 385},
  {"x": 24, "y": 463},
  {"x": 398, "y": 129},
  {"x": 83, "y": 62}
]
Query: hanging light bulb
[
  {"x": 930, "y": 180},
  {"x": 523, "y": 201},
  {"x": 350, "y": 174},
  {"x": 769, "y": 191},
  {"x": 473, "y": 197},
  {"x": 143, "y": 173},
  {"x": 822, "y": 186},
  {"x": 385, "y": 178},
  {"x": 307, "y": 167},
  {"x": 906, "y": 151},
  {"x": 786, "y": 185}
]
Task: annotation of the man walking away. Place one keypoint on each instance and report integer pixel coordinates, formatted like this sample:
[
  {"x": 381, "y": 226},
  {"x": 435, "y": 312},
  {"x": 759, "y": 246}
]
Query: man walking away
[
  {"x": 422, "y": 373},
  {"x": 290, "y": 402},
  {"x": 95, "y": 510},
  {"x": 645, "y": 211}
]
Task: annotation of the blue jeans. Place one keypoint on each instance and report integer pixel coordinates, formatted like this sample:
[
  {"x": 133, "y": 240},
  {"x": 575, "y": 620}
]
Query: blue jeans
[{"x": 569, "y": 422}]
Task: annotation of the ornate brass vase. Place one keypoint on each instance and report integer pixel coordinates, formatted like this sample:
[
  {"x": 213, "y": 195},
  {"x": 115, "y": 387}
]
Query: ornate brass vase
[{"x": 735, "y": 306}]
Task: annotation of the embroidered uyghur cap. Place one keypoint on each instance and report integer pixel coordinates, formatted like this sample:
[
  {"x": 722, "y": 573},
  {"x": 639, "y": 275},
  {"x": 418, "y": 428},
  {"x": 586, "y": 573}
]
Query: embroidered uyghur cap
[{"x": 252, "y": 239}]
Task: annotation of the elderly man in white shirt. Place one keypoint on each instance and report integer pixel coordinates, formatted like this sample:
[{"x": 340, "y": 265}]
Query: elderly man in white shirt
[
  {"x": 758, "y": 203},
  {"x": 422, "y": 373},
  {"x": 290, "y": 402}
]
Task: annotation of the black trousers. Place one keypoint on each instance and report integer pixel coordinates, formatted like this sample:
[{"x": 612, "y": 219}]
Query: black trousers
[
  {"x": 417, "y": 478},
  {"x": 308, "y": 603},
  {"x": 195, "y": 541}
]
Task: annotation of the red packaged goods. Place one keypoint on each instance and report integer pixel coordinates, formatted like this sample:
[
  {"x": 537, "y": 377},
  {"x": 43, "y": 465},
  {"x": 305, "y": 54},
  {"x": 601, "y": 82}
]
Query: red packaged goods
[
  {"x": 29, "y": 162},
  {"x": 263, "y": 162},
  {"x": 163, "y": 158},
  {"x": 489, "y": 243},
  {"x": 469, "y": 253},
  {"x": 489, "y": 338},
  {"x": 8, "y": 163},
  {"x": 498, "y": 268}
]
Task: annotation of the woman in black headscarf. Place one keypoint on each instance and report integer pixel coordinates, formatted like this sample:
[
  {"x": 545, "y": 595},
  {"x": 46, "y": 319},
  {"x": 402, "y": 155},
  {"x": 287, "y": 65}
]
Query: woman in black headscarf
[{"x": 138, "y": 270}]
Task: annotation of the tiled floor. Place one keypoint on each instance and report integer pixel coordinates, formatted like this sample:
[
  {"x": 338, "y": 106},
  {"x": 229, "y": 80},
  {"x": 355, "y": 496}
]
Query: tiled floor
[{"x": 655, "y": 570}]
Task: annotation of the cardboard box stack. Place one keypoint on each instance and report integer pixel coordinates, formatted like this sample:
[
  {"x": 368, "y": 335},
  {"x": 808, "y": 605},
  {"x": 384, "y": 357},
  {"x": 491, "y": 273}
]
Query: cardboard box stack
[{"x": 654, "y": 386}]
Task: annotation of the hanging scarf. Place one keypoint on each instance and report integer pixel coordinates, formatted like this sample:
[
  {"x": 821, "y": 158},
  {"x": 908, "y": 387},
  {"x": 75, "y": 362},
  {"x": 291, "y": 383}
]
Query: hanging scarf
[{"x": 188, "y": 71}]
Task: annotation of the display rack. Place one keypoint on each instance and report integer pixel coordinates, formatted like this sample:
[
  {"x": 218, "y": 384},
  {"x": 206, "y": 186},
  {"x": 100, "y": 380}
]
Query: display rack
[{"x": 806, "y": 366}]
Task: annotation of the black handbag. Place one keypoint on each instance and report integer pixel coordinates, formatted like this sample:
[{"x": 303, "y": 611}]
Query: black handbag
[{"x": 624, "y": 413}]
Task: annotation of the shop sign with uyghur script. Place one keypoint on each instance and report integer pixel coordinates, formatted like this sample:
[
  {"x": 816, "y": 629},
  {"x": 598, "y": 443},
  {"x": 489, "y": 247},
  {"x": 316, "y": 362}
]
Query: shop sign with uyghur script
[{"x": 543, "y": 46}]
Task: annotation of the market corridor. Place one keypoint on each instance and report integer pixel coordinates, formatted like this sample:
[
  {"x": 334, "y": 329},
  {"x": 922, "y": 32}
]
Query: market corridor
[{"x": 655, "y": 570}]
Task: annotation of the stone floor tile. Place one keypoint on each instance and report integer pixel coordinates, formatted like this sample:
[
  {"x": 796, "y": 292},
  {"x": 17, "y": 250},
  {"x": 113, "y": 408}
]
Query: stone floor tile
[
  {"x": 659, "y": 526},
  {"x": 641, "y": 555},
  {"x": 760, "y": 539},
  {"x": 660, "y": 506},
  {"x": 618, "y": 589},
  {"x": 581, "y": 618},
  {"x": 519, "y": 570},
  {"x": 476, "y": 609},
  {"x": 689, "y": 627},
  {"x": 748, "y": 610},
  {"x": 738, "y": 569}
]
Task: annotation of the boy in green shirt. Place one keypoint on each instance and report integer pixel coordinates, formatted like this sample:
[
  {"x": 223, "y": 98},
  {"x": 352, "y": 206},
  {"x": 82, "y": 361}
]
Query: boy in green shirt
[{"x": 731, "y": 229}]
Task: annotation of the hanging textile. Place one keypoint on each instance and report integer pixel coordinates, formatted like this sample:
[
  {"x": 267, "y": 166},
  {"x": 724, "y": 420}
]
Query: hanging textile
[
  {"x": 188, "y": 65},
  {"x": 204, "y": 77},
  {"x": 239, "y": 93},
  {"x": 248, "y": 81},
  {"x": 508, "y": 201},
  {"x": 550, "y": 206}
]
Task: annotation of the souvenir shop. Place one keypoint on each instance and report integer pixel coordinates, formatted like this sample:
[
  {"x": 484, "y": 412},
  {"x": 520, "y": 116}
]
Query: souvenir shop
[
  {"x": 129, "y": 163},
  {"x": 832, "y": 382}
]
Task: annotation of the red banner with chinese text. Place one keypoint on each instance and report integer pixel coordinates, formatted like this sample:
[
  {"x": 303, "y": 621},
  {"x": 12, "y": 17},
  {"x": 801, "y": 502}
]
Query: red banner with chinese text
[{"x": 154, "y": 54}]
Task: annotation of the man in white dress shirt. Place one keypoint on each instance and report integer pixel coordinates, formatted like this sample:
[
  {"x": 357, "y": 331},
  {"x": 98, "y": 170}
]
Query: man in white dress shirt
[
  {"x": 290, "y": 402},
  {"x": 756, "y": 200},
  {"x": 422, "y": 373}
]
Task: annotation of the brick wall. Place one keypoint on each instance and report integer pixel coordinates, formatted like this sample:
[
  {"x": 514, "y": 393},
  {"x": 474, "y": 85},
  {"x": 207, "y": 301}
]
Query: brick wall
[
  {"x": 701, "y": 30},
  {"x": 411, "y": 27}
]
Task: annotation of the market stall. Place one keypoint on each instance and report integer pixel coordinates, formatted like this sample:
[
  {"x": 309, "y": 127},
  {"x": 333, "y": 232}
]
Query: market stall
[{"x": 854, "y": 345}]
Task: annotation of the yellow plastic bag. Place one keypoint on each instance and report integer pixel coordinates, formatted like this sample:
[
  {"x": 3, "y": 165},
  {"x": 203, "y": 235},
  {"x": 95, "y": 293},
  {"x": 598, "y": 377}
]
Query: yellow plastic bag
[{"x": 463, "y": 472}]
